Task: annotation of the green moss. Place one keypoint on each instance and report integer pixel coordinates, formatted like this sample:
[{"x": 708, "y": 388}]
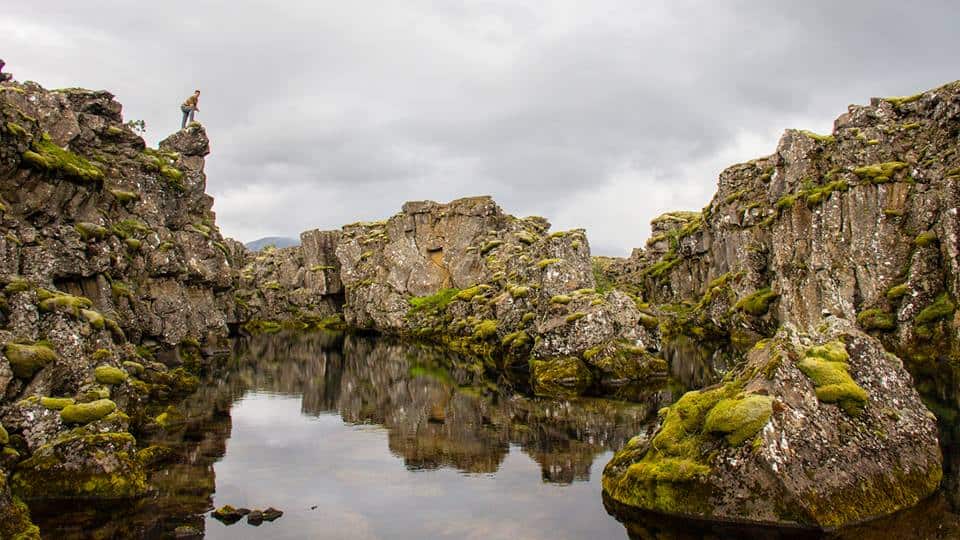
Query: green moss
[
  {"x": 109, "y": 375},
  {"x": 133, "y": 244},
  {"x": 4, "y": 436},
  {"x": 941, "y": 308},
  {"x": 135, "y": 368},
  {"x": 129, "y": 228},
  {"x": 95, "y": 319},
  {"x": 84, "y": 413},
  {"x": 55, "y": 403},
  {"x": 880, "y": 172},
  {"x": 528, "y": 318},
  {"x": 925, "y": 239},
  {"x": 787, "y": 201},
  {"x": 25, "y": 360},
  {"x": 154, "y": 454},
  {"x": 485, "y": 329},
  {"x": 758, "y": 303},
  {"x": 272, "y": 286},
  {"x": 46, "y": 475},
  {"x": 518, "y": 291},
  {"x": 818, "y": 194},
  {"x": 661, "y": 267},
  {"x": 739, "y": 419},
  {"x": 433, "y": 302},
  {"x": 320, "y": 268},
  {"x": 547, "y": 262},
  {"x": 64, "y": 303},
  {"x": 565, "y": 376},
  {"x": 817, "y": 137},
  {"x": 121, "y": 290},
  {"x": 262, "y": 327},
  {"x": 202, "y": 229},
  {"x": 561, "y": 299},
  {"x": 897, "y": 291},
  {"x": 490, "y": 246},
  {"x": 903, "y": 100},
  {"x": 49, "y": 157},
  {"x": 16, "y": 130},
  {"x": 17, "y": 285},
  {"x": 91, "y": 231},
  {"x": 469, "y": 293},
  {"x": 516, "y": 340},
  {"x": 574, "y": 317},
  {"x": 876, "y": 319},
  {"x": 827, "y": 368}
]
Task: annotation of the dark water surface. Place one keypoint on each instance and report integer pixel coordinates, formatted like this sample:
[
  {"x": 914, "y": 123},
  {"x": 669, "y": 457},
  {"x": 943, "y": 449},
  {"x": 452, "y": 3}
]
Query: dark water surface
[{"x": 358, "y": 437}]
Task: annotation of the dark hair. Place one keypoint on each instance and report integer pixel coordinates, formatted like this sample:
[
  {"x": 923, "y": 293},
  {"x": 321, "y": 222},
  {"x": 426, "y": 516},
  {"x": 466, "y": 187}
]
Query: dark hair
[{"x": 197, "y": 91}]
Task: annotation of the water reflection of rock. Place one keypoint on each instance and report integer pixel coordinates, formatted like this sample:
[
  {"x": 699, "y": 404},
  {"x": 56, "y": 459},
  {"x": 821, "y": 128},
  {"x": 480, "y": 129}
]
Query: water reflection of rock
[{"x": 439, "y": 409}]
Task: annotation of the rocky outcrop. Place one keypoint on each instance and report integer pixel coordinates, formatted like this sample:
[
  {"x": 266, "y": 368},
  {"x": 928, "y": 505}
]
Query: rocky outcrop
[
  {"x": 818, "y": 430},
  {"x": 473, "y": 278},
  {"x": 299, "y": 285},
  {"x": 116, "y": 283},
  {"x": 852, "y": 229}
]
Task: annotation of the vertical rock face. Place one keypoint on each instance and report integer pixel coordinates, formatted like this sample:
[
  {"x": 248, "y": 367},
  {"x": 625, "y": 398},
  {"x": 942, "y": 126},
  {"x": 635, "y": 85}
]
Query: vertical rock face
[
  {"x": 835, "y": 236},
  {"x": 472, "y": 277},
  {"x": 89, "y": 210},
  {"x": 108, "y": 252}
]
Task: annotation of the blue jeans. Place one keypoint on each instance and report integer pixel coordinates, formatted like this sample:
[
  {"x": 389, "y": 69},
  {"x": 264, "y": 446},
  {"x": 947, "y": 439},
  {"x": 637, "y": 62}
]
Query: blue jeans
[{"x": 187, "y": 113}]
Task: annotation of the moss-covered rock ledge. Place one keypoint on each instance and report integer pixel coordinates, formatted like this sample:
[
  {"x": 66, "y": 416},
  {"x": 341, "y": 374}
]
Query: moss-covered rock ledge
[{"x": 819, "y": 430}]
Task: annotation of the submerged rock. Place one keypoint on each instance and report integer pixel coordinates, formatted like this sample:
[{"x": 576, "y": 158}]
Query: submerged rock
[{"x": 819, "y": 430}]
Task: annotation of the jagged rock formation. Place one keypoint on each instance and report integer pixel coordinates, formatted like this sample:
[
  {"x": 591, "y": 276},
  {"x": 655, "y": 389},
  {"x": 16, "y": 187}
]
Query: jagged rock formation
[
  {"x": 108, "y": 252},
  {"x": 298, "y": 284},
  {"x": 819, "y": 430},
  {"x": 472, "y": 277},
  {"x": 859, "y": 225}
]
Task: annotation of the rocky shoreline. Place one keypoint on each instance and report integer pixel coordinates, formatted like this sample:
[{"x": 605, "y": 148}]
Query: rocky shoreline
[{"x": 816, "y": 292}]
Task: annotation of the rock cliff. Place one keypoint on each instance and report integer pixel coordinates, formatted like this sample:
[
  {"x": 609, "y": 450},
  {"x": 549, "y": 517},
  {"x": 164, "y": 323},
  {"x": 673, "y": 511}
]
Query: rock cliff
[
  {"x": 858, "y": 226},
  {"x": 469, "y": 276},
  {"x": 116, "y": 282}
]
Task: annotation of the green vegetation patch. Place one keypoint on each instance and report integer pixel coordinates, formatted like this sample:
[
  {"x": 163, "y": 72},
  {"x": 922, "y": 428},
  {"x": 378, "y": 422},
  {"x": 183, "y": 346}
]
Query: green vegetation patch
[
  {"x": 826, "y": 366},
  {"x": 565, "y": 376},
  {"x": 925, "y": 239},
  {"x": 84, "y": 413},
  {"x": 758, "y": 303},
  {"x": 61, "y": 302},
  {"x": 433, "y": 302},
  {"x": 879, "y": 173},
  {"x": 25, "y": 360},
  {"x": 876, "y": 319},
  {"x": 109, "y": 375},
  {"x": 485, "y": 329},
  {"x": 818, "y": 194},
  {"x": 547, "y": 262},
  {"x": 55, "y": 403},
  {"x": 739, "y": 419},
  {"x": 902, "y": 100},
  {"x": 129, "y": 228},
  {"x": 897, "y": 291},
  {"x": 91, "y": 231},
  {"x": 818, "y": 137},
  {"x": 47, "y": 156},
  {"x": 941, "y": 308},
  {"x": 469, "y": 293}
]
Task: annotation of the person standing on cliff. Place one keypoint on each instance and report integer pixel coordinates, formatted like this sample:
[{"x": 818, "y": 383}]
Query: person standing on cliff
[
  {"x": 4, "y": 77},
  {"x": 189, "y": 108}
]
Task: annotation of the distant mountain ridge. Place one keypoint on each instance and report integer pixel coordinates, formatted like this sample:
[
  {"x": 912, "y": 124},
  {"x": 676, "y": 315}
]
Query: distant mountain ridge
[{"x": 275, "y": 241}]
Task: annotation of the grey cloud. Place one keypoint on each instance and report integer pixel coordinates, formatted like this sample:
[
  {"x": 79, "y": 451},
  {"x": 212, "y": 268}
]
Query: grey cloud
[{"x": 601, "y": 114}]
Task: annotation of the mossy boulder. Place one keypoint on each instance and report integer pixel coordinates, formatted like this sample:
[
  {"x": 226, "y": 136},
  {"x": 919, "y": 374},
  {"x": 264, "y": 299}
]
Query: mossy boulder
[
  {"x": 25, "y": 360},
  {"x": 771, "y": 445},
  {"x": 84, "y": 413},
  {"x": 82, "y": 465}
]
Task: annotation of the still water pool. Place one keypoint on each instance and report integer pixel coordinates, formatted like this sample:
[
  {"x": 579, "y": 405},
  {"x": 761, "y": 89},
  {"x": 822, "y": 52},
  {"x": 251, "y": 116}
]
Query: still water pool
[{"x": 359, "y": 437}]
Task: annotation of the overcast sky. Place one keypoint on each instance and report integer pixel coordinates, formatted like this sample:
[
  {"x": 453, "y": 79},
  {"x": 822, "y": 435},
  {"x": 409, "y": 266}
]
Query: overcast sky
[{"x": 599, "y": 114}]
